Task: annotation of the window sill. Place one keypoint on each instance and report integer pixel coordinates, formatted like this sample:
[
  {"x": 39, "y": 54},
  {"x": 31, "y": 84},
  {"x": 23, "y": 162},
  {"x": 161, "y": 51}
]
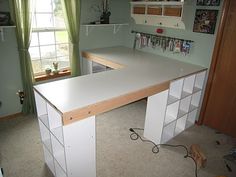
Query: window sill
[{"x": 52, "y": 76}]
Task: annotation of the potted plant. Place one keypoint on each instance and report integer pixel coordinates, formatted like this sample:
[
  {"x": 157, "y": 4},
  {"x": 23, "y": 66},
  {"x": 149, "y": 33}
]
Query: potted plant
[
  {"x": 104, "y": 18},
  {"x": 48, "y": 71},
  {"x": 55, "y": 66}
]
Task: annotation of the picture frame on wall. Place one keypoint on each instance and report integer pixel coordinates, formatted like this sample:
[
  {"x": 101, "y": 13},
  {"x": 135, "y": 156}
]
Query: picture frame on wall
[
  {"x": 5, "y": 19},
  {"x": 208, "y": 2},
  {"x": 205, "y": 21}
]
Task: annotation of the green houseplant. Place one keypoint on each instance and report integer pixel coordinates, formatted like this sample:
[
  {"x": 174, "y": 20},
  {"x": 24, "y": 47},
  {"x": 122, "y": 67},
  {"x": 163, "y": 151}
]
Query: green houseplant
[{"x": 104, "y": 18}]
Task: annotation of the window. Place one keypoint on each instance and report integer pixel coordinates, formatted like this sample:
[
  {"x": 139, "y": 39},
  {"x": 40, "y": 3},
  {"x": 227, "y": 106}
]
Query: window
[{"x": 49, "y": 40}]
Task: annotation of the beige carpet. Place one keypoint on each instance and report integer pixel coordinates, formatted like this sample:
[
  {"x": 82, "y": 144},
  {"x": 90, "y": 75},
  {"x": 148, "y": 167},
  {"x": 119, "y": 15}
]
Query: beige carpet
[{"x": 21, "y": 152}]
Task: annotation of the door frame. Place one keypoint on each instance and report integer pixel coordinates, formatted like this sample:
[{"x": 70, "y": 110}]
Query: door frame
[{"x": 214, "y": 62}]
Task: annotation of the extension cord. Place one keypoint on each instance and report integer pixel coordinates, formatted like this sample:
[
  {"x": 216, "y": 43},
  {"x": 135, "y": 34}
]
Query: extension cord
[{"x": 156, "y": 148}]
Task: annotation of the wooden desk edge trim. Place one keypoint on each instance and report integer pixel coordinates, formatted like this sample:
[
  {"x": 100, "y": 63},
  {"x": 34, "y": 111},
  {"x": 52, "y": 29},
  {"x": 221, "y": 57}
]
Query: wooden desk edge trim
[
  {"x": 102, "y": 61},
  {"x": 101, "y": 107}
]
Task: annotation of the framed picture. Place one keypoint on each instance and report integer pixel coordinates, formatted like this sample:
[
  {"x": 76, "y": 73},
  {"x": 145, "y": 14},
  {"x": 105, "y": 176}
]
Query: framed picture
[
  {"x": 205, "y": 21},
  {"x": 5, "y": 19},
  {"x": 208, "y": 2}
]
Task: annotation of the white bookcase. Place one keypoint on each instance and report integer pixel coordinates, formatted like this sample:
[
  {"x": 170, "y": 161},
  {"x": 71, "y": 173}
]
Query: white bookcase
[
  {"x": 63, "y": 156},
  {"x": 180, "y": 108}
]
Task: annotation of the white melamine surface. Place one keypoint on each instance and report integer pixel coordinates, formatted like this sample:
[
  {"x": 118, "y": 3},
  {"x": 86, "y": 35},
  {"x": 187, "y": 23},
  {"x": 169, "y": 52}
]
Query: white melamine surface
[
  {"x": 80, "y": 148},
  {"x": 141, "y": 70},
  {"x": 155, "y": 116}
]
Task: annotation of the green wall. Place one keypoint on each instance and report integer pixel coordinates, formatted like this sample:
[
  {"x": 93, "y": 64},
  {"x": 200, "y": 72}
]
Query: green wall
[
  {"x": 203, "y": 45},
  {"x": 9, "y": 71},
  {"x": 103, "y": 36}
]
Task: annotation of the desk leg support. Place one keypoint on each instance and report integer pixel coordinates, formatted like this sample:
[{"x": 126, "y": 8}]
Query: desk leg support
[
  {"x": 155, "y": 115},
  {"x": 80, "y": 148}
]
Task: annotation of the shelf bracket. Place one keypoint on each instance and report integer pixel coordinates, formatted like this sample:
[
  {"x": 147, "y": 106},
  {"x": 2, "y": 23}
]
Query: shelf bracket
[
  {"x": 2, "y": 34},
  {"x": 88, "y": 29},
  {"x": 116, "y": 28}
]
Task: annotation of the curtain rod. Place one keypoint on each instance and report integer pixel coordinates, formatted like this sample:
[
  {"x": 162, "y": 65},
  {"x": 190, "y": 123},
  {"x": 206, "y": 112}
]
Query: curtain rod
[{"x": 133, "y": 31}]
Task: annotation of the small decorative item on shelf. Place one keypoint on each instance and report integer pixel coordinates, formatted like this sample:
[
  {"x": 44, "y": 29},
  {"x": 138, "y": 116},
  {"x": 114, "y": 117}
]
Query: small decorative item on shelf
[
  {"x": 55, "y": 66},
  {"x": 5, "y": 19},
  {"x": 48, "y": 71},
  {"x": 104, "y": 18}
]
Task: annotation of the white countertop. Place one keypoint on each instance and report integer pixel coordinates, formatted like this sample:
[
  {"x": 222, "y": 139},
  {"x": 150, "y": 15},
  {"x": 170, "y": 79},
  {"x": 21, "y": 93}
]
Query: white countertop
[{"x": 141, "y": 70}]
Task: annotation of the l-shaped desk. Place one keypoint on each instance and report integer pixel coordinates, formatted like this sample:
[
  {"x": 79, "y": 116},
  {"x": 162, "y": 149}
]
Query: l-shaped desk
[{"x": 67, "y": 108}]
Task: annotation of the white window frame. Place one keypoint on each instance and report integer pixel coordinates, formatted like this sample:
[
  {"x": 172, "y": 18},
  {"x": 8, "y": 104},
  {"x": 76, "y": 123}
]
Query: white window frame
[{"x": 48, "y": 29}]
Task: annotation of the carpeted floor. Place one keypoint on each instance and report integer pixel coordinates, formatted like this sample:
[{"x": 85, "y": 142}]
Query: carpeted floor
[{"x": 21, "y": 153}]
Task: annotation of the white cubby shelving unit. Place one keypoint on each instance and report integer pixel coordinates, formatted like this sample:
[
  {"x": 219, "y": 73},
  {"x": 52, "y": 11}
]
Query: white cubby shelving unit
[
  {"x": 158, "y": 13},
  {"x": 179, "y": 111},
  {"x": 60, "y": 143},
  {"x": 50, "y": 124}
]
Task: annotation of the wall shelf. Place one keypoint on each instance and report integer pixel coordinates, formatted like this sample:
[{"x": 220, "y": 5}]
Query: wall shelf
[
  {"x": 163, "y": 13},
  {"x": 116, "y": 27},
  {"x": 2, "y": 28}
]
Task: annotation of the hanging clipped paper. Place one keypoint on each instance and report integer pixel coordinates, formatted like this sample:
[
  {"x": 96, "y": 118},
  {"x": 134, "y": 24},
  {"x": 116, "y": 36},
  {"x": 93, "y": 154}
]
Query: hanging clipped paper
[
  {"x": 153, "y": 41},
  {"x": 177, "y": 47},
  {"x": 167, "y": 42},
  {"x": 149, "y": 41},
  {"x": 139, "y": 40},
  {"x": 136, "y": 39},
  {"x": 171, "y": 45},
  {"x": 163, "y": 44},
  {"x": 144, "y": 41},
  {"x": 186, "y": 47}
]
